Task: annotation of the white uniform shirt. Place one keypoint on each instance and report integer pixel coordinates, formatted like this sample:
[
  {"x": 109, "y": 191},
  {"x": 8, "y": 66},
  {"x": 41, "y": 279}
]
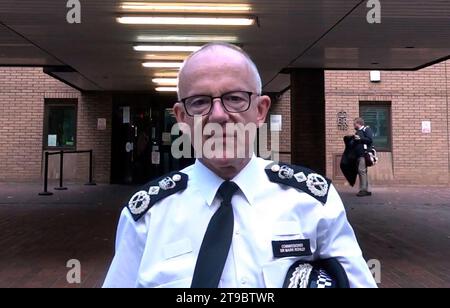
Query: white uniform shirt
[{"x": 161, "y": 248}]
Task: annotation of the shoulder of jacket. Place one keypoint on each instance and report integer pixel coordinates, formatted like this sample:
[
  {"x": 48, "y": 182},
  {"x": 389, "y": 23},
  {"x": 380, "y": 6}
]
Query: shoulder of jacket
[
  {"x": 154, "y": 191},
  {"x": 301, "y": 178}
]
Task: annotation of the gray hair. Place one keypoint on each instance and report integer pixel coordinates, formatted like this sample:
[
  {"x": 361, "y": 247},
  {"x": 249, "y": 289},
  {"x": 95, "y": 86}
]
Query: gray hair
[
  {"x": 239, "y": 50},
  {"x": 359, "y": 121}
]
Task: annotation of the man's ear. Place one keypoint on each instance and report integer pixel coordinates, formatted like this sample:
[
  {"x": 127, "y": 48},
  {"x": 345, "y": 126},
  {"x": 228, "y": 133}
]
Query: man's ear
[
  {"x": 263, "y": 109},
  {"x": 180, "y": 113}
]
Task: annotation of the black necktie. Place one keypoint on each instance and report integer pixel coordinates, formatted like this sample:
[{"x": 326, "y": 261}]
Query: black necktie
[{"x": 216, "y": 242}]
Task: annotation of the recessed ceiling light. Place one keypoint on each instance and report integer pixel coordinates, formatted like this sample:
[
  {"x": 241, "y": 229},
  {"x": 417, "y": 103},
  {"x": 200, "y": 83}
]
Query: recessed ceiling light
[
  {"x": 162, "y": 64},
  {"x": 166, "y": 89},
  {"x": 166, "y": 57},
  {"x": 166, "y": 74},
  {"x": 188, "y": 38},
  {"x": 166, "y": 48},
  {"x": 186, "y": 7},
  {"x": 198, "y": 21},
  {"x": 166, "y": 81}
]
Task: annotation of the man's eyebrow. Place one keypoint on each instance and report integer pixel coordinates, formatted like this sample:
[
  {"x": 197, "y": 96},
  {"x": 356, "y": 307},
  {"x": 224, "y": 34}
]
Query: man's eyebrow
[{"x": 221, "y": 92}]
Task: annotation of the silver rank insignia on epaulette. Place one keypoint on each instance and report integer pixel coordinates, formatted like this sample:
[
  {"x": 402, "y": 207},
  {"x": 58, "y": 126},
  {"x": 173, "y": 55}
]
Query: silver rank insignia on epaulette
[
  {"x": 317, "y": 184},
  {"x": 139, "y": 202},
  {"x": 167, "y": 183},
  {"x": 143, "y": 200},
  {"x": 301, "y": 178}
]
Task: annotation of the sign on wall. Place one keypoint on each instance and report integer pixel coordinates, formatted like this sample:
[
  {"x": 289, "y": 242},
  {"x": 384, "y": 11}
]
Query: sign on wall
[
  {"x": 426, "y": 127},
  {"x": 101, "y": 124},
  {"x": 342, "y": 123}
]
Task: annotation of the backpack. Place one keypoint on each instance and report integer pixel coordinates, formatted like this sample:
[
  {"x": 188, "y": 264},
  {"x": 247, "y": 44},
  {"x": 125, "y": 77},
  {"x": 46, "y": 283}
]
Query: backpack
[{"x": 371, "y": 157}]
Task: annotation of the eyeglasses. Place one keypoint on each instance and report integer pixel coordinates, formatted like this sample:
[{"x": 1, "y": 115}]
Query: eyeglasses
[{"x": 233, "y": 102}]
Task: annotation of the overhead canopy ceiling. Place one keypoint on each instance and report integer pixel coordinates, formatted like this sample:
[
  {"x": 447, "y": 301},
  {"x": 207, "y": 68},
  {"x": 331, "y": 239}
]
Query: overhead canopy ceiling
[{"x": 330, "y": 34}]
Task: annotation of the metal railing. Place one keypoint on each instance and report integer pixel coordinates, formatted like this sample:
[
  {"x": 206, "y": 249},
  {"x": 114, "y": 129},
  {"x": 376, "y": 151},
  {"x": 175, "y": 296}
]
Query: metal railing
[{"x": 61, "y": 170}]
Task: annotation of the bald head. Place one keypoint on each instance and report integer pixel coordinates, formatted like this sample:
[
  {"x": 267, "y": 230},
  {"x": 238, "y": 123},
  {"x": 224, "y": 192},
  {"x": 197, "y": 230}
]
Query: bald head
[
  {"x": 217, "y": 57},
  {"x": 221, "y": 71}
]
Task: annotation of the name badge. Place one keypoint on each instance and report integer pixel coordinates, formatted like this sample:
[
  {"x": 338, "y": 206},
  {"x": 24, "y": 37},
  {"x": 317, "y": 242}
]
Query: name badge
[{"x": 291, "y": 248}]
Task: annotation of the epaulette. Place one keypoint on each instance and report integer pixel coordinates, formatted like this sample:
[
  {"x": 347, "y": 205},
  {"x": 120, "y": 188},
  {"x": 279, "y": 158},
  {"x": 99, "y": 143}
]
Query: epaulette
[
  {"x": 155, "y": 191},
  {"x": 301, "y": 178}
]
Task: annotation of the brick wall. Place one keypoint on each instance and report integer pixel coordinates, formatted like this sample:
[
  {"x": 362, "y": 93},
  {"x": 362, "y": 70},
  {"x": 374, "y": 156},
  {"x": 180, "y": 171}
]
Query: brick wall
[
  {"x": 22, "y": 95},
  {"x": 308, "y": 118},
  {"x": 417, "y": 96},
  {"x": 447, "y": 78},
  {"x": 282, "y": 106},
  {"x": 92, "y": 107}
]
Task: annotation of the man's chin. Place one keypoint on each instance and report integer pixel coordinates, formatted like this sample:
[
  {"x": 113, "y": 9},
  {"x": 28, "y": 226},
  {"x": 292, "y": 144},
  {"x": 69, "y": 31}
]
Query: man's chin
[{"x": 225, "y": 167}]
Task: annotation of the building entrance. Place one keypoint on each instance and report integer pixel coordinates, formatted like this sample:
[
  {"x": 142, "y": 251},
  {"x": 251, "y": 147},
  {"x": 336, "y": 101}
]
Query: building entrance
[{"x": 141, "y": 140}]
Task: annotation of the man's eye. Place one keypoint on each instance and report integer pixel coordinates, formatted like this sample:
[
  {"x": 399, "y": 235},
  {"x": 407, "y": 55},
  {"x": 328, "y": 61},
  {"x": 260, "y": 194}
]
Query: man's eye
[
  {"x": 199, "y": 102},
  {"x": 234, "y": 98}
]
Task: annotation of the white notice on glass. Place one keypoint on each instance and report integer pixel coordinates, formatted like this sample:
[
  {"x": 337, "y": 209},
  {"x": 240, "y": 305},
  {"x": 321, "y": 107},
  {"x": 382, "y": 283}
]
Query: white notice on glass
[
  {"x": 166, "y": 138},
  {"x": 275, "y": 122},
  {"x": 52, "y": 140},
  {"x": 156, "y": 158},
  {"x": 126, "y": 115}
]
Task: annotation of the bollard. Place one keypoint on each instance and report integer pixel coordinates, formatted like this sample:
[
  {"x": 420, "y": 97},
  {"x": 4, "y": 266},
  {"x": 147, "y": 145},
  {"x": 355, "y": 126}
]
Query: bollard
[
  {"x": 91, "y": 182},
  {"x": 61, "y": 171},
  {"x": 45, "y": 192}
]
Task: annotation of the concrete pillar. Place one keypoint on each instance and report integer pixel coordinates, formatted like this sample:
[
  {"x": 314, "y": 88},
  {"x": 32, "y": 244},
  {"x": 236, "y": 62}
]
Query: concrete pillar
[{"x": 308, "y": 118}]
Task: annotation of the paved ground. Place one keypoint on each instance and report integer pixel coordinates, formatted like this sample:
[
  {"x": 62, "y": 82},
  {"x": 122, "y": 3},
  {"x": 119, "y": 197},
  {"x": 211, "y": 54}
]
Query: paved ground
[
  {"x": 406, "y": 228},
  {"x": 38, "y": 235}
]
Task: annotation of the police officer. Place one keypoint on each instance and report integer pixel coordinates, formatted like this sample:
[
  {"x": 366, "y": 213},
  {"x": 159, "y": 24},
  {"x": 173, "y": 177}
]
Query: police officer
[{"x": 232, "y": 221}]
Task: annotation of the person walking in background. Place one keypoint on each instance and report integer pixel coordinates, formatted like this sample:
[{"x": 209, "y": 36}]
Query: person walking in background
[{"x": 362, "y": 143}]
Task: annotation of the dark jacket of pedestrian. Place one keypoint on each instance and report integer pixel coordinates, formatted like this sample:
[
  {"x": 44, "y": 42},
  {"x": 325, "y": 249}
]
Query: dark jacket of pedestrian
[
  {"x": 365, "y": 142},
  {"x": 349, "y": 160}
]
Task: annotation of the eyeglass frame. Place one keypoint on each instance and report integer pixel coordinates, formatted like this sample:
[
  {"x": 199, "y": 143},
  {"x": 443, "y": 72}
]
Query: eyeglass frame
[{"x": 250, "y": 94}]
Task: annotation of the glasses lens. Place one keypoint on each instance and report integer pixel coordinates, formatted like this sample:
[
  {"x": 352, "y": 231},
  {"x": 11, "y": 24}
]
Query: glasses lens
[
  {"x": 198, "y": 105},
  {"x": 236, "y": 101}
]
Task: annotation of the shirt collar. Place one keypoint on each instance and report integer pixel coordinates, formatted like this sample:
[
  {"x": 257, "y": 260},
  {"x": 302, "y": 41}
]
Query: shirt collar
[
  {"x": 246, "y": 179},
  {"x": 208, "y": 182}
]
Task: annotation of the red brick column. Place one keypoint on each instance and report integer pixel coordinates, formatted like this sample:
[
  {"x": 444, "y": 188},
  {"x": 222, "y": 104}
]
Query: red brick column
[{"x": 308, "y": 119}]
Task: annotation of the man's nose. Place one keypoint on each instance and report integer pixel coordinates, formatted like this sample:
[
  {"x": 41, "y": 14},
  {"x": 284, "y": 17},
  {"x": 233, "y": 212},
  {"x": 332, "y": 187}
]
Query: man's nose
[{"x": 218, "y": 112}]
